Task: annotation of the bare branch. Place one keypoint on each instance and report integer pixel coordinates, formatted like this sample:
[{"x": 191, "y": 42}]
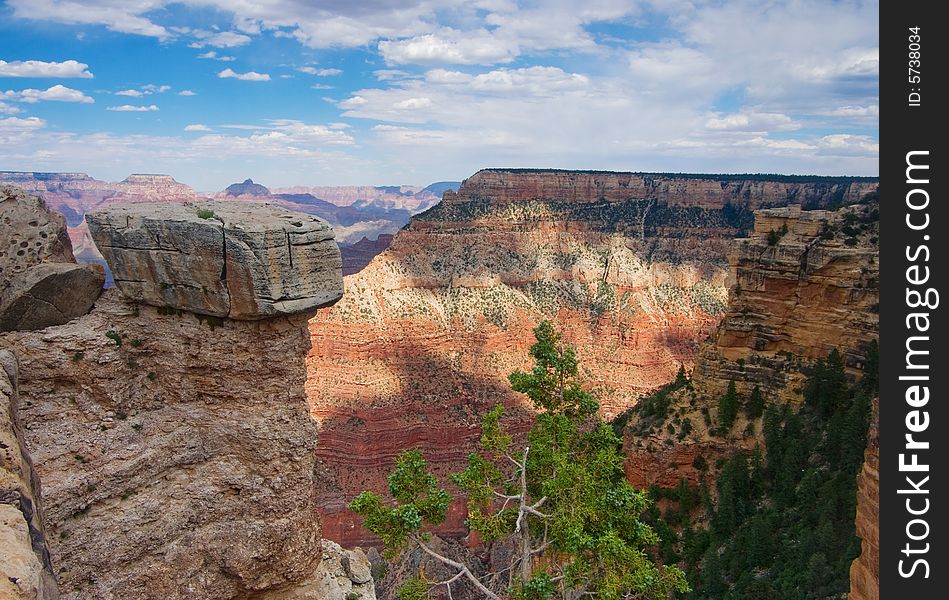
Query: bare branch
[{"x": 463, "y": 570}]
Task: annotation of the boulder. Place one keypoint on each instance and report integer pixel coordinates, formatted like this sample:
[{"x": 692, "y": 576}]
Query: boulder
[
  {"x": 49, "y": 294},
  {"x": 242, "y": 261},
  {"x": 30, "y": 234}
]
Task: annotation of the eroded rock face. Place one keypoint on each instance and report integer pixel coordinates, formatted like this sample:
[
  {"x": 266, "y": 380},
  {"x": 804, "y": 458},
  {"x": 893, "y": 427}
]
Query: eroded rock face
[
  {"x": 25, "y": 569},
  {"x": 236, "y": 260},
  {"x": 342, "y": 575},
  {"x": 40, "y": 282},
  {"x": 865, "y": 570},
  {"x": 706, "y": 191},
  {"x": 50, "y": 294},
  {"x": 176, "y": 454},
  {"x": 428, "y": 332},
  {"x": 804, "y": 283}
]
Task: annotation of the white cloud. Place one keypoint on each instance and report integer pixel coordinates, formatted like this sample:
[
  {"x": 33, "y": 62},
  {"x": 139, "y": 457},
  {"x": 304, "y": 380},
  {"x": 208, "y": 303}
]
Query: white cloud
[
  {"x": 219, "y": 39},
  {"x": 321, "y": 86},
  {"x": 56, "y": 93},
  {"x": 16, "y": 124},
  {"x": 197, "y": 127},
  {"x": 249, "y": 76},
  {"x": 752, "y": 121},
  {"x": 412, "y": 104},
  {"x": 187, "y": 93},
  {"x": 320, "y": 72},
  {"x": 448, "y": 47},
  {"x": 130, "y": 108},
  {"x": 123, "y": 17},
  {"x": 9, "y": 109},
  {"x": 390, "y": 74},
  {"x": 855, "y": 111},
  {"x": 39, "y": 68},
  {"x": 131, "y": 93},
  {"x": 213, "y": 55}
]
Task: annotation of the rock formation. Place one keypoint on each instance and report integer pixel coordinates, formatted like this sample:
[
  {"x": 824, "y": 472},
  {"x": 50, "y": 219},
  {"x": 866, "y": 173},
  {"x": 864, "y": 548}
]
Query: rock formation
[
  {"x": 235, "y": 260},
  {"x": 865, "y": 571},
  {"x": 358, "y": 255},
  {"x": 247, "y": 187},
  {"x": 40, "y": 282},
  {"x": 342, "y": 574},
  {"x": 633, "y": 267},
  {"x": 806, "y": 282},
  {"x": 705, "y": 191},
  {"x": 175, "y": 450},
  {"x": 25, "y": 569}
]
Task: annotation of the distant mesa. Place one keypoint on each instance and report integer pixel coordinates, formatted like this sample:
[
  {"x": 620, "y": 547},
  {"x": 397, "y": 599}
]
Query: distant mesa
[
  {"x": 440, "y": 187},
  {"x": 246, "y": 188}
]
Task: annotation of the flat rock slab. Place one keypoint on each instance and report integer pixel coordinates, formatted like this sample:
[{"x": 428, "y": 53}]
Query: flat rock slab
[
  {"x": 240, "y": 260},
  {"x": 49, "y": 294}
]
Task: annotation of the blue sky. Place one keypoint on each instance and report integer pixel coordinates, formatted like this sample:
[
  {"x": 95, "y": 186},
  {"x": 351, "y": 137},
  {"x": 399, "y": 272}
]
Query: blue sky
[{"x": 338, "y": 92}]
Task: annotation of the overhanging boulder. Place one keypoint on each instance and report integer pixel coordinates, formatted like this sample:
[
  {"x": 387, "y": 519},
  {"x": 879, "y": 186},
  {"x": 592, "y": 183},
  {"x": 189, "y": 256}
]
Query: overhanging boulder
[{"x": 240, "y": 260}]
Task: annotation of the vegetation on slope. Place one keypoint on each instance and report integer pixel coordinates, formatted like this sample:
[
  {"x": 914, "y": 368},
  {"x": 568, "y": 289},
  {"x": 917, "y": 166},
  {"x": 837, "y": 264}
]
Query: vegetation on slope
[
  {"x": 561, "y": 499},
  {"x": 781, "y": 523}
]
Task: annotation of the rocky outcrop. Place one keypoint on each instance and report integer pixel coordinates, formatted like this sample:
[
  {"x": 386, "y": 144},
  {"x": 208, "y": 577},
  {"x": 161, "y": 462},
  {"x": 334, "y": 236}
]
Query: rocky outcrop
[
  {"x": 247, "y": 187},
  {"x": 865, "y": 570},
  {"x": 342, "y": 575},
  {"x": 50, "y": 294},
  {"x": 175, "y": 449},
  {"x": 25, "y": 569},
  {"x": 235, "y": 260},
  {"x": 804, "y": 283},
  {"x": 705, "y": 191},
  {"x": 176, "y": 455},
  {"x": 423, "y": 342},
  {"x": 40, "y": 283}
]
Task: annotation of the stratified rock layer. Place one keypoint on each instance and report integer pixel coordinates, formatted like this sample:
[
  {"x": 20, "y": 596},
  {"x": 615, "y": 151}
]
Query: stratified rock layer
[
  {"x": 176, "y": 453},
  {"x": 631, "y": 267},
  {"x": 25, "y": 569},
  {"x": 804, "y": 283},
  {"x": 865, "y": 571},
  {"x": 235, "y": 260}
]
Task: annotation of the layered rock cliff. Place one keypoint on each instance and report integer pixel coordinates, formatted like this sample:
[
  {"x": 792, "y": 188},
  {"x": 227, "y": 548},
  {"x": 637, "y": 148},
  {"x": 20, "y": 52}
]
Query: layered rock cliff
[
  {"x": 803, "y": 284},
  {"x": 25, "y": 568},
  {"x": 175, "y": 450},
  {"x": 633, "y": 267},
  {"x": 865, "y": 571}
]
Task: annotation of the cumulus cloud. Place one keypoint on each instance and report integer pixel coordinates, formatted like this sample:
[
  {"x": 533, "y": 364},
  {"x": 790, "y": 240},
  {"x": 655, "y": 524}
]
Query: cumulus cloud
[
  {"x": 219, "y": 39},
  {"x": 213, "y": 55},
  {"x": 131, "y": 108},
  {"x": 448, "y": 47},
  {"x": 320, "y": 72},
  {"x": 249, "y": 76},
  {"x": 131, "y": 93},
  {"x": 39, "y": 68},
  {"x": 187, "y": 93},
  {"x": 56, "y": 93},
  {"x": 197, "y": 127},
  {"x": 752, "y": 121}
]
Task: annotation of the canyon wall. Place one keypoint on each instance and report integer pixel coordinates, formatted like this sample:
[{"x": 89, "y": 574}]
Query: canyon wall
[
  {"x": 632, "y": 267},
  {"x": 803, "y": 284},
  {"x": 175, "y": 449},
  {"x": 865, "y": 571}
]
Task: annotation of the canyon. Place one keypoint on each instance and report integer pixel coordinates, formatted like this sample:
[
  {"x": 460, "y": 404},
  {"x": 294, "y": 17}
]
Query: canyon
[
  {"x": 634, "y": 268},
  {"x": 174, "y": 425}
]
